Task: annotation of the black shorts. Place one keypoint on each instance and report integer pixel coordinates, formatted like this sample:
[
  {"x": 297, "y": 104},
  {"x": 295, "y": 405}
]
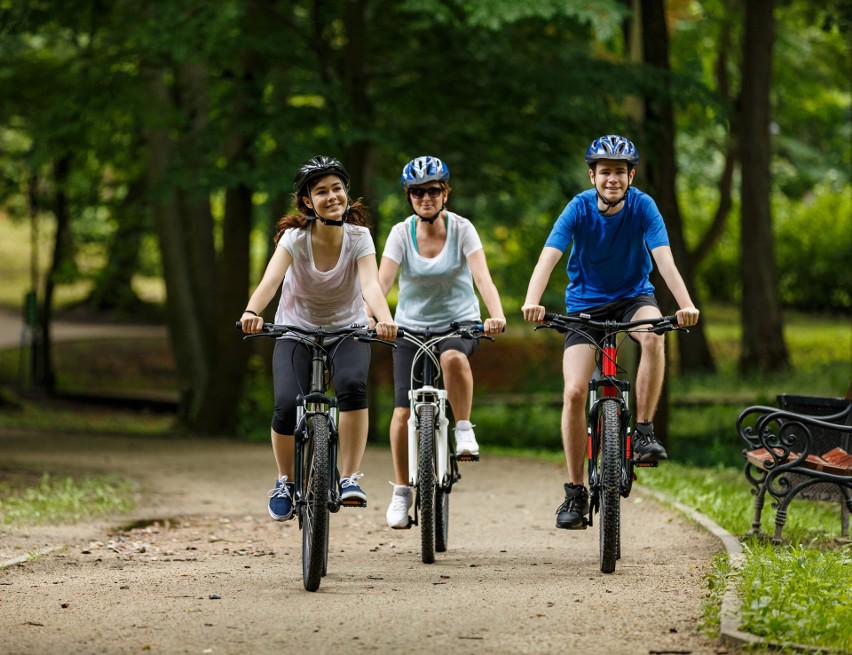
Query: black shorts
[
  {"x": 403, "y": 356},
  {"x": 617, "y": 310}
]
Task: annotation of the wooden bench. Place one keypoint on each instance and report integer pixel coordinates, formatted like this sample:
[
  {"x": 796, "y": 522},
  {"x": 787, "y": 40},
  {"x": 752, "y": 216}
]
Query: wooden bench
[{"x": 802, "y": 448}]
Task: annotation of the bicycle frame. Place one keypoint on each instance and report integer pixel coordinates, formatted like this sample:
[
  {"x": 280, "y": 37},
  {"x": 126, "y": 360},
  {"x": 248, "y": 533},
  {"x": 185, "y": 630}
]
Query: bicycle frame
[{"x": 428, "y": 394}]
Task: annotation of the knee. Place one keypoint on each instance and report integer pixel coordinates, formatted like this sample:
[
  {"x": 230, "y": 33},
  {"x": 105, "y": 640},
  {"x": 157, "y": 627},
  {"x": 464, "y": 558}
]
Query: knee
[
  {"x": 574, "y": 395},
  {"x": 351, "y": 395},
  {"x": 454, "y": 362}
]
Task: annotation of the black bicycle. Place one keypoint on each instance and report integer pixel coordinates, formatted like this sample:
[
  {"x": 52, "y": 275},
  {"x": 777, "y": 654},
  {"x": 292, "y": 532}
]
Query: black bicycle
[
  {"x": 432, "y": 460},
  {"x": 316, "y": 442},
  {"x": 611, "y": 462}
]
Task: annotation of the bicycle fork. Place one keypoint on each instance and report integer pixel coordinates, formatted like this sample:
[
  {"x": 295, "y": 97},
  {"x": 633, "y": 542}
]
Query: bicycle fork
[{"x": 438, "y": 398}]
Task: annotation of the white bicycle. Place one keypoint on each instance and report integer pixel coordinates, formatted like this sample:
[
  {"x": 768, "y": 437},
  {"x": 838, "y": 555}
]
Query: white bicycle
[{"x": 432, "y": 460}]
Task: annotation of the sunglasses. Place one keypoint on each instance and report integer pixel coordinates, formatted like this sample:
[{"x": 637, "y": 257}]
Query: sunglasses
[{"x": 433, "y": 191}]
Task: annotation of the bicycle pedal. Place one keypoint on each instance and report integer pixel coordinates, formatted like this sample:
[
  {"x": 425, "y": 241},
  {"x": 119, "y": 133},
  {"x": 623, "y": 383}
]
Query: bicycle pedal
[
  {"x": 468, "y": 457},
  {"x": 353, "y": 502},
  {"x": 646, "y": 465}
]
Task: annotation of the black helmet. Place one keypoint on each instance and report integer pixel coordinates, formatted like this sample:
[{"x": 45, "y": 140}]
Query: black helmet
[
  {"x": 315, "y": 167},
  {"x": 613, "y": 147}
]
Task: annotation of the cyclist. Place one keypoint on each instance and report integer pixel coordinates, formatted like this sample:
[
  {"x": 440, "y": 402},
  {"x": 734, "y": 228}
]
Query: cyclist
[
  {"x": 439, "y": 257},
  {"x": 325, "y": 265},
  {"x": 616, "y": 230}
]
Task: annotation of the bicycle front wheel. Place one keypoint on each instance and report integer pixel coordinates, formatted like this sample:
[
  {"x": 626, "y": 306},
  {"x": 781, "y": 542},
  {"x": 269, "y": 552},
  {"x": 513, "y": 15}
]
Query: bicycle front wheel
[
  {"x": 442, "y": 519},
  {"x": 610, "y": 485},
  {"x": 426, "y": 483},
  {"x": 315, "y": 508}
]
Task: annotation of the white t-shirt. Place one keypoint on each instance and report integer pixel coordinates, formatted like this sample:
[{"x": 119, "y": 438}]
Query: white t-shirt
[
  {"x": 434, "y": 292},
  {"x": 330, "y": 299}
]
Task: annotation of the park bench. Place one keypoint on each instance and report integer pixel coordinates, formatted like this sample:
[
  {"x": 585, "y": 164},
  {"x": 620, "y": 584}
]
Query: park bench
[{"x": 802, "y": 448}]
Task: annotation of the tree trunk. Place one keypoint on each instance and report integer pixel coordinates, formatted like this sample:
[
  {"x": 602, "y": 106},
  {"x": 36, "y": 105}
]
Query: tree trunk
[
  {"x": 694, "y": 351},
  {"x": 763, "y": 347}
]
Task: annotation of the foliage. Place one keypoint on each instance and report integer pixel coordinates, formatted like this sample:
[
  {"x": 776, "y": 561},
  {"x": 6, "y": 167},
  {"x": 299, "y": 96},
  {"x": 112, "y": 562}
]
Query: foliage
[
  {"x": 784, "y": 592},
  {"x": 64, "y": 500}
]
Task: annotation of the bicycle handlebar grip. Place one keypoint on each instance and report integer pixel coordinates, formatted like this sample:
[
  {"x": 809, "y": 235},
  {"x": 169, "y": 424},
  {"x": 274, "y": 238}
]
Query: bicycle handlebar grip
[{"x": 239, "y": 326}]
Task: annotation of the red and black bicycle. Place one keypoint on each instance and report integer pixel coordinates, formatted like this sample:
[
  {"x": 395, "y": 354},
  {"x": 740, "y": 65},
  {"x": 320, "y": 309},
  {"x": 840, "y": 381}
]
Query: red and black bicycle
[{"x": 609, "y": 447}]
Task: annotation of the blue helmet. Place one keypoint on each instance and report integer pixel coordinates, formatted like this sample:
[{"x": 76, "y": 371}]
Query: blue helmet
[
  {"x": 612, "y": 147},
  {"x": 424, "y": 169}
]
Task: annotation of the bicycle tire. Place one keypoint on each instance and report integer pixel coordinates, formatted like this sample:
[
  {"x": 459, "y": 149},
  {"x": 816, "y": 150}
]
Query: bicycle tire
[
  {"x": 315, "y": 508},
  {"x": 442, "y": 519},
  {"x": 426, "y": 483},
  {"x": 610, "y": 479}
]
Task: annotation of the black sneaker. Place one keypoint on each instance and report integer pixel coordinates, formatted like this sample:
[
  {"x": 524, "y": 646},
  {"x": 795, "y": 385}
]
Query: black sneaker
[
  {"x": 646, "y": 448},
  {"x": 570, "y": 514}
]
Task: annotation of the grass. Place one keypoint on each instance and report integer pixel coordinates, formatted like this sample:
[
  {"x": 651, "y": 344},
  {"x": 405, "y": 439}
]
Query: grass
[
  {"x": 783, "y": 588},
  {"x": 63, "y": 500}
]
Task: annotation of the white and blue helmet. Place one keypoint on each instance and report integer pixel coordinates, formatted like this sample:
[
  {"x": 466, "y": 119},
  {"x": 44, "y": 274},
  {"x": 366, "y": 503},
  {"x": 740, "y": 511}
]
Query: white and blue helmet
[
  {"x": 424, "y": 169},
  {"x": 614, "y": 147}
]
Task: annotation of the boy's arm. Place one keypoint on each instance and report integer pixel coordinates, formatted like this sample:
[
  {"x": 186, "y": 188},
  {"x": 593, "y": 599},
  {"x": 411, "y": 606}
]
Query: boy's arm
[
  {"x": 687, "y": 314},
  {"x": 548, "y": 258}
]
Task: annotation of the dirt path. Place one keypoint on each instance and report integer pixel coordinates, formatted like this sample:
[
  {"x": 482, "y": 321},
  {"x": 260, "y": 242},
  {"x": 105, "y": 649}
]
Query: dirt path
[{"x": 215, "y": 575}]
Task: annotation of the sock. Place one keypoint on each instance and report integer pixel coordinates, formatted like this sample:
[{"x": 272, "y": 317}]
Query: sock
[
  {"x": 645, "y": 428},
  {"x": 463, "y": 425}
]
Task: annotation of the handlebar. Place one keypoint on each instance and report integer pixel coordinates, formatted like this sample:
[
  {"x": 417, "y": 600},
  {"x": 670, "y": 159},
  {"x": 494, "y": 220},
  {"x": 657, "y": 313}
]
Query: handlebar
[
  {"x": 357, "y": 332},
  {"x": 659, "y": 325},
  {"x": 454, "y": 329}
]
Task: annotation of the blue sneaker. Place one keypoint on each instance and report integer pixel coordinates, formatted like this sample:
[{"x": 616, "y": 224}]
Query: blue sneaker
[
  {"x": 351, "y": 494},
  {"x": 281, "y": 500}
]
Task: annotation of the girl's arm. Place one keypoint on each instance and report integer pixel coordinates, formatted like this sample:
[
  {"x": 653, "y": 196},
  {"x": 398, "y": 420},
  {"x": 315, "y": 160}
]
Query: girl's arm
[
  {"x": 371, "y": 290},
  {"x": 482, "y": 278},
  {"x": 276, "y": 269}
]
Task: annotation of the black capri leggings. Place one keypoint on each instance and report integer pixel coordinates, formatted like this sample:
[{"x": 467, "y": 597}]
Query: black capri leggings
[{"x": 291, "y": 375}]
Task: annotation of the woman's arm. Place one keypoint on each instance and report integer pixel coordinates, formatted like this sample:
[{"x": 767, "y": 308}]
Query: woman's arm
[{"x": 496, "y": 321}]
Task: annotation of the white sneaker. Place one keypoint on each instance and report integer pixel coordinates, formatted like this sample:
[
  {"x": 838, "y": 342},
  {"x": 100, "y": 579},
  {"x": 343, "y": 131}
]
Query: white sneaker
[
  {"x": 465, "y": 439},
  {"x": 401, "y": 501}
]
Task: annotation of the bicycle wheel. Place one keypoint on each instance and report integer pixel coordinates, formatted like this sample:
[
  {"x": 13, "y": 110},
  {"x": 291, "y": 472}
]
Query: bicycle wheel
[
  {"x": 610, "y": 479},
  {"x": 426, "y": 483},
  {"x": 315, "y": 508},
  {"x": 442, "y": 519}
]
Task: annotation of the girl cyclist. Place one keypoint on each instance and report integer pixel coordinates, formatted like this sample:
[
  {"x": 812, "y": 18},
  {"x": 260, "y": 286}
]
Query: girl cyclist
[
  {"x": 439, "y": 257},
  {"x": 325, "y": 258}
]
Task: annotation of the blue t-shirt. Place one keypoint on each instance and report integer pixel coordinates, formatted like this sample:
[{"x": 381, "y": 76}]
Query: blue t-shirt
[{"x": 611, "y": 256}]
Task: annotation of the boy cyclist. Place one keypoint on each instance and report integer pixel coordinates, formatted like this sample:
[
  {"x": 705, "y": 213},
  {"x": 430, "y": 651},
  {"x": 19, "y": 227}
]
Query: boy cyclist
[{"x": 616, "y": 231}]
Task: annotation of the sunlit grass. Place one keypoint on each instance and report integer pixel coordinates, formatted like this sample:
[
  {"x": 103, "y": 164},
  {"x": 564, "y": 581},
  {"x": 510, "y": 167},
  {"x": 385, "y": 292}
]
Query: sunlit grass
[
  {"x": 798, "y": 594},
  {"x": 64, "y": 500}
]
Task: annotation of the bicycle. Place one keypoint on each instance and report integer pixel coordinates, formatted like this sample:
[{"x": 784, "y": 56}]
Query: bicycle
[
  {"x": 609, "y": 449},
  {"x": 432, "y": 460},
  {"x": 316, "y": 476}
]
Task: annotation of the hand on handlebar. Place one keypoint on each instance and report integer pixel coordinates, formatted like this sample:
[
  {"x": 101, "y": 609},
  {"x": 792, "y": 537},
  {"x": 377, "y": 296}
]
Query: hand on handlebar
[
  {"x": 386, "y": 330},
  {"x": 533, "y": 313},
  {"x": 687, "y": 316},
  {"x": 494, "y": 325},
  {"x": 251, "y": 324}
]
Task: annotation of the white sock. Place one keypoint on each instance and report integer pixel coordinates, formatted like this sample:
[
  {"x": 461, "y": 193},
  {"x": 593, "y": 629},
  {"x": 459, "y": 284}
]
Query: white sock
[{"x": 463, "y": 425}]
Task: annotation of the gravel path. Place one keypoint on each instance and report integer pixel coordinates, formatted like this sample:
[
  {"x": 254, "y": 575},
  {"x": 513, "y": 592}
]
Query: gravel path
[{"x": 208, "y": 572}]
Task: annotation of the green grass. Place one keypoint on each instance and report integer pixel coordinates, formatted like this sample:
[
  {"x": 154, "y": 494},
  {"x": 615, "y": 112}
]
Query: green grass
[
  {"x": 783, "y": 588},
  {"x": 798, "y": 595},
  {"x": 63, "y": 500}
]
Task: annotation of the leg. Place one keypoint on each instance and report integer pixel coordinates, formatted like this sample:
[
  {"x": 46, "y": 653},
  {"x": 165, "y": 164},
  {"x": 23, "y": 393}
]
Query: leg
[
  {"x": 652, "y": 367},
  {"x": 353, "y": 441},
  {"x": 399, "y": 444},
  {"x": 649, "y": 384},
  {"x": 284, "y": 451},
  {"x": 458, "y": 381},
  {"x": 578, "y": 364}
]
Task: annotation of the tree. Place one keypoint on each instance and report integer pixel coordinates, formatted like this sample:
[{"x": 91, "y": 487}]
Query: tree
[{"x": 763, "y": 347}]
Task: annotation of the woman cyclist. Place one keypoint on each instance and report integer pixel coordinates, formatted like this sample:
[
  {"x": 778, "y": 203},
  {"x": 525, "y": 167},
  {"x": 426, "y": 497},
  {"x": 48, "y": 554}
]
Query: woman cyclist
[
  {"x": 439, "y": 257},
  {"x": 325, "y": 264}
]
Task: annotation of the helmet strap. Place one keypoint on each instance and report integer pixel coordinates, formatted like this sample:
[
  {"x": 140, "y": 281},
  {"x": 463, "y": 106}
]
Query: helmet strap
[{"x": 610, "y": 204}]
